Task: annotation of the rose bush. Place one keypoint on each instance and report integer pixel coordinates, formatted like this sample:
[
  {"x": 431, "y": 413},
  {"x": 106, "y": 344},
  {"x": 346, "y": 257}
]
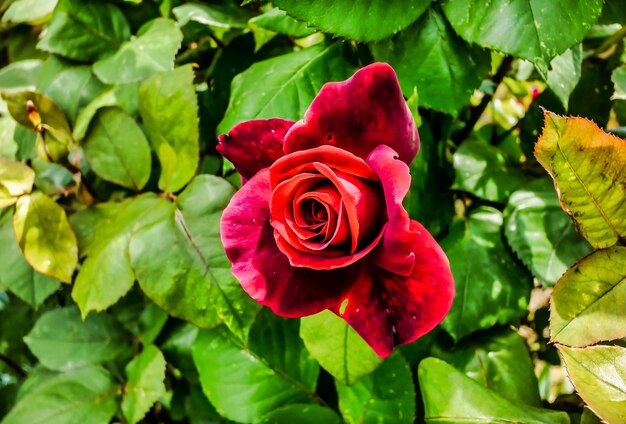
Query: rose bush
[{"x": 319, "y": 222}]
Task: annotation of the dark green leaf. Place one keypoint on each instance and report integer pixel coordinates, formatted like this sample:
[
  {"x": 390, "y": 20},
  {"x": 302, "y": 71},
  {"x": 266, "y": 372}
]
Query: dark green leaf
[
  {"x": 337, "y": 347},
  {"x": 588, "y": 300},
  {"x": 538, "y": 231},
  {"x": 245, "y": 385},
  {"x": 117, "y": 149},
  {"x": 536, "y": 31},
  {"x": 145, "y": 373},
  {"x": 278, "y": 21},
  {"x": 430, "y": 56},
  {"x": 386, "y": 395},
  {"x": 45, "y": 236},
  {"x": 214, "y": 15},
  {"x": 79, "y": 396},
  {"x": 152, "y": 51},
  {"x": 169, "y": 109},
  {"x": 84, "y": 30},
  {"x": 363, "y": 21},
  {"x": 451, "y": 397},
  {"x": 491, "y": 286},
  {"x": 62, "y": 340},
  {"x": 290, "y": 82},
  {"x": 592, "y": 96},
  {"x": 500, "y": 361}
]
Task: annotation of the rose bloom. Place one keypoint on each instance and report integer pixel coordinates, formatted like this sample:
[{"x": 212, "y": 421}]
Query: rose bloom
[{"x": 319, "y": 222}]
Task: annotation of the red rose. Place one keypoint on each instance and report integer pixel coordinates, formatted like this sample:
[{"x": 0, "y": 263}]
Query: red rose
[{"x": 319, "y": 222}]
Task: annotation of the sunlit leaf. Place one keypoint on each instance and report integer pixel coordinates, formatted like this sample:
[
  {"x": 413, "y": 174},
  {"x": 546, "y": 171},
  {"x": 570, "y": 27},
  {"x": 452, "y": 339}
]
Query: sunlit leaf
[{"x": 145, "y": 373}]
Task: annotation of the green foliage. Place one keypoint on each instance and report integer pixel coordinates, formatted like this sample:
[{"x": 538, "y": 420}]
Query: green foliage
[{"x": 110, "y": 182}]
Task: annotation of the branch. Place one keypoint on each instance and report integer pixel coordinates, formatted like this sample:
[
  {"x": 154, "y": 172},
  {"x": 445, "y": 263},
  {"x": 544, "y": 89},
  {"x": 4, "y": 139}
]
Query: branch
[
  {"x": 13, "y": 365},
  {"x": 477, "y": 111}
]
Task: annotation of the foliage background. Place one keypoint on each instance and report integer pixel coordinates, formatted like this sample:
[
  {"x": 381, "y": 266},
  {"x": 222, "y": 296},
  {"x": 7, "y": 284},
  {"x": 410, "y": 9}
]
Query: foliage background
[{"x": 116, "y": 301}]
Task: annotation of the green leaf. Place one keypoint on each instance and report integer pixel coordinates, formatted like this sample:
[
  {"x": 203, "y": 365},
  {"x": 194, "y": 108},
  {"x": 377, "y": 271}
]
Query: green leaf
[
  {"x": 587, "y": 166},
  {"x": 619, "y": 81},
  {"x": 587, "y": 298},
  {"x": 486, "y": 171},
  {"x": 591, "y": 98},
  {"x": 103, "y": 233},
  {"x": 62, "y": 340},
  {"x": 430, "y": 56},
  {"x": 565, "y": 72},
  {"x": 491, "y": 286},
  {"x": 451, "y": 397},
  {"x": 500, "y": 361},
  {"x": 277, "y": 20},
  {"x": 152, "y": 51},
  {"x": 214, "y": 15},
  {"x": 290, "y": 83},
  {"x": 8, "y": 145},
  {"x": 145, "y": 384},
  {"x": 51, "y": 115},
  {"x": 84, "y": 30},
  {"x": 337, "y": 347},
  {"x": 363, "y": 21},
  {"x": 541, "y": 235},
  {"x": 79, "y": 396},
  {"x": 117, "y": 149},
  {"x": 302, "y": 414},
  {"x": 31, "y": 12},
  {"x": 45, "y": 236},
  {"x": 599, "y": 375},
  {"x": 246, "y": 383},
  {"x": 180, "y": 263},
  {"x": 16, "y": 274},
  {"x": 169, "y": 108},
  {"x": 16, "y": 179},
  {"x": 71, "y": 86},
  {"x": 20, "y": 75},
  {"x": 524, "y": 28},
  {"x": 386, "y": 395}
]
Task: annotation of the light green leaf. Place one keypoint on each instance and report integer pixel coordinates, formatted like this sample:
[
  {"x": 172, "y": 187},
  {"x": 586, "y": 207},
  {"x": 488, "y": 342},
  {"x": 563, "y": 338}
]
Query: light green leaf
[
  {"x": 541, "y": 235},
  {"x": 84, "y": 31},
  {"x": 587, "y": 165},
  {"x": 430, "y": 56},
  {"x": 485, "y": 171},
  {"x": 599, "y": 375},
  {"x": 386, "y": 395},
  {"x": 565, "y": 72},
  {"x": 500, "y": 361},
  {"x": 32, "y": 12},
  {"x": 363, "y": 21},
  {"x": 145, "y": 385},
  {"x": 619, "y": 81},
  {"x": 587, "y": 303},
  {"x": 152, "y": 51},
  {"x": 278, "y": 21},
  {"x": 451, "y": 397},
  {"x": 117, "y": 149},
  {"x": 214, "y": 15},
  {"x": 15, "y": 177},
  {"x": 244, "y": 383},
  {"x": 337, "y": 347},
  {"x": 169, "y": 108},
  {"x": 16, "y": 274},
  {"x": 290, "y": 83},
  {"x": 180, "y": 263},
  {"x": 20, "y": 75},
  {"x": 51, "y": 115},
  {"x": 103, "y": 235},
  {"x": 531, "y": 29},
  {"x": 490, "y": 285},
  {"x": 302, "y": 414},
  {"x": 79, "y": 396},
  {"x": 69, "y": 85},
  {"x": 8, "y": 145},
  {"x": 45, "y": 236},
  {"x": 62, "y": 340}
]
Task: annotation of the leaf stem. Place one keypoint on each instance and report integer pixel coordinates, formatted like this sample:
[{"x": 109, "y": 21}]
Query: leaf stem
[
  {"x": 608, "y": 42},
  {"x": 477, "y": 111},
  {"x": 13, "y": 365}
]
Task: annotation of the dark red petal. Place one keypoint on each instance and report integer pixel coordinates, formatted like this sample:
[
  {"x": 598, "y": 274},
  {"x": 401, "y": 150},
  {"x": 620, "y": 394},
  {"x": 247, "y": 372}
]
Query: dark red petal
[
  {"x": 264, "y": 271},
  {"x": 254, "y": 145},
  {"x": 395, "y": 253},
  {"x": 357, "y": 115},
  {"x": 388, "y": 309}
]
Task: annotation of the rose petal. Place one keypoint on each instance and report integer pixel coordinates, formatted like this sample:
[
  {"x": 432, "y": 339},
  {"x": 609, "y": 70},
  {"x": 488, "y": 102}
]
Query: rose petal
[
  {"x": 395, "y": 253},
  {"x": 254, "y": 145},
  {"x": 263, "y": 270},
  {"x": 388, "y": 309},
  {"x": 357, "y": 115}
]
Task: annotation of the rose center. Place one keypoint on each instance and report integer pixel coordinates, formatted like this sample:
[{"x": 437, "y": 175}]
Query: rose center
[{"x": 314, "y": 212}]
